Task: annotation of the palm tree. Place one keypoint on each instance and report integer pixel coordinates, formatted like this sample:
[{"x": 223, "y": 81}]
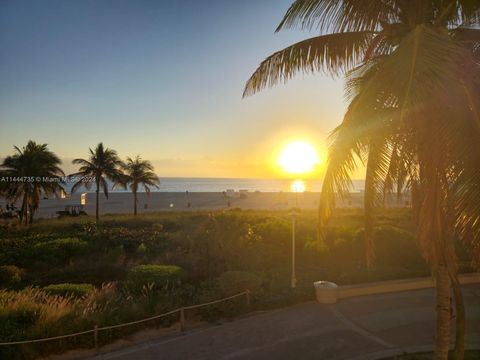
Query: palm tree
[
  {"x": 413, "y": 81},
  {"x": 102, "y": 165},
  {"x": 139, "y": 172},
  {"x": 34, "y": 172}
]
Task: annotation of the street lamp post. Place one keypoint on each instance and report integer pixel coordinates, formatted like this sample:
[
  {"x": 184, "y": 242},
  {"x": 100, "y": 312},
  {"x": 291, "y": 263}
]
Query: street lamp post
[{"x": 293, "y": 214}]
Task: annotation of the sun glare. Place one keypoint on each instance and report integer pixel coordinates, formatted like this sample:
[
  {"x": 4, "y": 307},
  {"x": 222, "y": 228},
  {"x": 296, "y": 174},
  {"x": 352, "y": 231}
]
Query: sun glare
[
  {"x": 298, "y": 157},
  {"x": 297, "y": 186}
]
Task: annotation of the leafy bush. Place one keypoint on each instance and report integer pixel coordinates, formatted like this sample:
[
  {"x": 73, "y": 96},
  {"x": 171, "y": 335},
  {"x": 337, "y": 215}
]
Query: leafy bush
[
  {"x": 69, "y": 290},
  {"x": 59, "y": 250},
  {"x": 15, "y": 318},
  {"x": 234, "y": 282},
  {"x": 159, "y": 275},
  {"x": 397, "y": 247},
  {"x": 142, "y": 249},
  {"x": 10, "y": 275},
  {"x": 12, "y": 250},
  {"x": 92, "y": 272},
  {"x": 207, "y": 291}
]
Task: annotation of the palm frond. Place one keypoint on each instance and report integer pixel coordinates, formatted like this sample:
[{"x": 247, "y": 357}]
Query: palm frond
[
  {"x": 379, "y": 155},
  {"x": 338, "y": 16},
  {"x": 350, "y": 142},
  {"x": 333, "y": 53},
  {"x": 82, "y": 162}
]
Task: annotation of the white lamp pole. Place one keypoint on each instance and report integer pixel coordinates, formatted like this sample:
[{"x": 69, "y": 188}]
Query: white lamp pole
[{"x": 294, "y": 279}]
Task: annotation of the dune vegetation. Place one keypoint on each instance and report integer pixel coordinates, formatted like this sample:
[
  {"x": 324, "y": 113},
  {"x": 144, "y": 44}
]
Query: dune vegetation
[{"x": 61, "y": 276}]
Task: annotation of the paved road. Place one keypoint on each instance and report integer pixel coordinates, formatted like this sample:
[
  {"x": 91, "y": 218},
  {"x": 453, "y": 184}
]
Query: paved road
[{"x": 357, "y": 328}]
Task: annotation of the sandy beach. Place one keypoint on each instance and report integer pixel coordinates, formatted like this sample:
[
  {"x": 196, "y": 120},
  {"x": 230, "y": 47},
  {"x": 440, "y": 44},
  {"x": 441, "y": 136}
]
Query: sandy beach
[{"x": 122, "y": 202}]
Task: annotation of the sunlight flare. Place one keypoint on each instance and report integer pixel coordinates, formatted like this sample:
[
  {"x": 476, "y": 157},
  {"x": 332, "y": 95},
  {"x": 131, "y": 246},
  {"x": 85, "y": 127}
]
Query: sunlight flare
[
  {"x": 298, "y": 186},
  {"x": 298, "y": 157}
]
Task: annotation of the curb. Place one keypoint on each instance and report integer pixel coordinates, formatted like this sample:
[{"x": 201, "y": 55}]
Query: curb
[
  {"x": 381, "y": 355},
  {"x": 394, "y": 286}
]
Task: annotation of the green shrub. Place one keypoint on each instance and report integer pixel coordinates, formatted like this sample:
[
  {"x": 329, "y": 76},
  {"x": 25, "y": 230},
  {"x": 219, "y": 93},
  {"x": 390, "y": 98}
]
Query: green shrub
[
  {"x": 207, "y": 291},
  {"x": 92, "y": 272},
  {"x": 316, "y": 247},
  {"x": 141, "y": 249},
  {"x": 234, "y": 282},
  {"x": 158, "y": 275},
  {"x": 397, "y": 247},
  {"x": 59, "y": 251},
  {"x": 10, "y": 275},
  {"x": 14, "y": 320},
  {"x": 69, "y": 290}
]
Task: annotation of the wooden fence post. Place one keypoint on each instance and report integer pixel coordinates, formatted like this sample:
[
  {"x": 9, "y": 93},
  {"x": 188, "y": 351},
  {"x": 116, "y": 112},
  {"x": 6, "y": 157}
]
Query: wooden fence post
[
  {"x": 95, "y": 337},
  {"x": 182, "y": 319}
]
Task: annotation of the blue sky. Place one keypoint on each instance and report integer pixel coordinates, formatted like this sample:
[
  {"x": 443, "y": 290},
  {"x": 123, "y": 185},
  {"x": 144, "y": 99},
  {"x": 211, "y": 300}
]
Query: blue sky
[{"x": 162, "y": 79}]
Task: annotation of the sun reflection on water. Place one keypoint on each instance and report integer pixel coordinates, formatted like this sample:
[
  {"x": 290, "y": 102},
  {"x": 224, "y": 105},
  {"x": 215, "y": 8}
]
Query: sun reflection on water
[{"x": 297, "y": 186}]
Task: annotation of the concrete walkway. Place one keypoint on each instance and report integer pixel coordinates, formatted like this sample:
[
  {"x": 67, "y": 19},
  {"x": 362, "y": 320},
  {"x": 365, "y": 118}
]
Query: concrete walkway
[{"x": 359, "y": 328}]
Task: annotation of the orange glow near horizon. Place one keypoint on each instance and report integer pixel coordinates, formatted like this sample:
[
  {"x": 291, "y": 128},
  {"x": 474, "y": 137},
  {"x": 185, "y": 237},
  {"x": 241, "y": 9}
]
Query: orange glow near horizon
[{"x": 298, "y": 157}]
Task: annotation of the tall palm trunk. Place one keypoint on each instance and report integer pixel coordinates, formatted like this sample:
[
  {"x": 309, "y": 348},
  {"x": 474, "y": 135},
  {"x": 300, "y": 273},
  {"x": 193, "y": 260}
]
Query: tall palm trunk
[
  {"x": 435, "y": 224},
  {"x": 32, "y": 212},
  {"x": 97, "y": 198},
  {"x": 442, "y": 340},
  {"x": 24, "y": 209},
  {"x": 459, "y": 352},
  {"x": 34, "y": 202},
  {"x": 135, "y": 202}
]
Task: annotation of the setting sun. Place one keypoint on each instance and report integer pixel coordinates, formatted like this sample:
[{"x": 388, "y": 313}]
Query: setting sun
[{"x": 298, "y": 157}]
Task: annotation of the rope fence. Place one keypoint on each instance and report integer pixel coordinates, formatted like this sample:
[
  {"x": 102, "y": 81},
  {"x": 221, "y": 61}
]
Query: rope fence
[{"x": 97, "y": 329}]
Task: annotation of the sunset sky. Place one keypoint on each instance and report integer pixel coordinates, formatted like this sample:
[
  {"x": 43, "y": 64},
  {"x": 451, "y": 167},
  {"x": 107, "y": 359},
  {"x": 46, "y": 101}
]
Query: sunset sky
[{"x": 162, "y": 79}]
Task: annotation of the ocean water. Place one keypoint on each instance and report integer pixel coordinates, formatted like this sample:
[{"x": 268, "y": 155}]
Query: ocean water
[{"x": 182, "y": 184}]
